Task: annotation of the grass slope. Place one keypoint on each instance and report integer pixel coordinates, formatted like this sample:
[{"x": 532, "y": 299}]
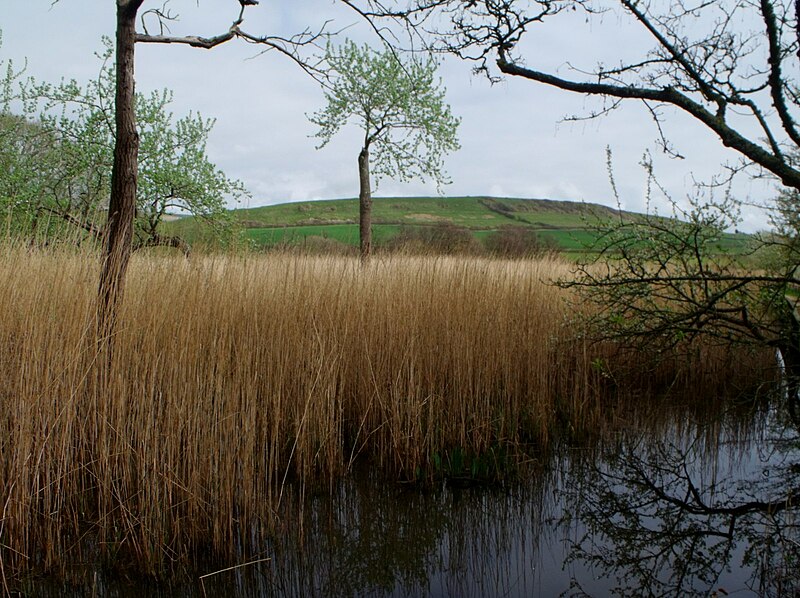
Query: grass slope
[
  {"x": 477, "y": 213},
  {"x": 567, "y": 223}
]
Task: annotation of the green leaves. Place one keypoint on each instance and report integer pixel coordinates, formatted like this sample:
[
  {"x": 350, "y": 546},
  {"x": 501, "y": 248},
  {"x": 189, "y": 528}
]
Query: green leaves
[
  {"x": 61, "y": 140},
  {"x": 399, "y": 105}
]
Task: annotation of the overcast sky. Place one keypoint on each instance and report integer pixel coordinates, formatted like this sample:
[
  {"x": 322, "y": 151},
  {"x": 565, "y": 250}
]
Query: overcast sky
[{"x": 514, "y": 141}]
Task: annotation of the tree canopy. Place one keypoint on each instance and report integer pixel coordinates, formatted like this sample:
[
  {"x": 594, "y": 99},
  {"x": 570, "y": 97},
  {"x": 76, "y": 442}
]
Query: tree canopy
[
  {"x": 732, "y": 66},
  {"x": 398, "y": 104},
  {"x": 60, "y": 160}
]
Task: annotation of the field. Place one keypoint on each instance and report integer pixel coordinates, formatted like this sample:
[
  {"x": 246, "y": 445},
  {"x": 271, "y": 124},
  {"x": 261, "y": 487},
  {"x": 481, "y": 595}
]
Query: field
[
  {"x": 240, "y": 381},
  {"x": 567, "y": 224},
  {"x": 296, "y": 235}
]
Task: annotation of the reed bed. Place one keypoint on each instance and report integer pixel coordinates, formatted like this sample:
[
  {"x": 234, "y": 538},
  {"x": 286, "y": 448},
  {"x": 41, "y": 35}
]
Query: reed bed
[{"x": 237, "y": 377}]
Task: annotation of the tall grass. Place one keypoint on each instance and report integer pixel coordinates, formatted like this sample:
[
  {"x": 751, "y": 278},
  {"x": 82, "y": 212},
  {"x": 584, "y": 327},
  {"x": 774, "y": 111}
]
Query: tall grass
[{"x": 235, "y": 378}]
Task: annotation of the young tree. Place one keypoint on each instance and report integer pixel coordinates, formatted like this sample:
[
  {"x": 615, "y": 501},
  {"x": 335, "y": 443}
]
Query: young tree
[
  {"x": 19, "y": 139},
  {"x": 25, "y": 153},
  {"x": 400, "y": 108}
]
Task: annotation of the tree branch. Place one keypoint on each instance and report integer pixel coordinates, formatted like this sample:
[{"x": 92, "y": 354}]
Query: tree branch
[
  {"x": 677, "y": 54},
  {"x": 775, "y": 75},
  {"x": 192, "y": 40},
  {"x": 89, "y": 227},
  {"x": 286, "y": 46},
  {"x": 729, "y": 136}
]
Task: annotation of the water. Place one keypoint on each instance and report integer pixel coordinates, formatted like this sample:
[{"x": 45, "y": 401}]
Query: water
[{"x": 667, "y": 508}]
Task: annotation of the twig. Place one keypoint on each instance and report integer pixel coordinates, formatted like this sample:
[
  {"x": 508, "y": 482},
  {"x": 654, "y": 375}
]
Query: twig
[{"x": 202, "y": 577}]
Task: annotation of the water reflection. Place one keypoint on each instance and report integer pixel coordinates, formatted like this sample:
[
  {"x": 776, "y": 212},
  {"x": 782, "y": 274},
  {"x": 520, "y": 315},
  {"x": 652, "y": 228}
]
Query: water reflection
[
  {"x": 664, "y": 508},
  {"x": 680, "y": 516},
  {"x": 375, "y": 539}
]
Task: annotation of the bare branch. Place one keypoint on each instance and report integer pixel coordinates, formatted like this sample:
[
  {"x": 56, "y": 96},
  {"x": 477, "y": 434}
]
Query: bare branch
[
  {"x": 85, "y": 225},
  {"x": 776, "y": 80},
  {"x": 730, "y": 137},
  {"x": 288, "y": 46},
  {"x": 192, "y": 40}
]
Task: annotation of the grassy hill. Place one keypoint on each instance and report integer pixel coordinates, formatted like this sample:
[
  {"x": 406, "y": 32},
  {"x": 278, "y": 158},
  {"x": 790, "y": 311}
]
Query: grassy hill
[{"x": 564, "y": 223}]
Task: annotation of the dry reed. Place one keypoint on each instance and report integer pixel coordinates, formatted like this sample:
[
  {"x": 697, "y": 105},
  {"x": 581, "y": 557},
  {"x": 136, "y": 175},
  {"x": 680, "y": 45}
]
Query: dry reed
[{"x": 233, "y": 376}]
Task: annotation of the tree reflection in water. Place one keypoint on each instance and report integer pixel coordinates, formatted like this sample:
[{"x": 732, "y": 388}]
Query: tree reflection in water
[
  {"x": 662, "y": 508},
  {"x": 695, "y": 514}
]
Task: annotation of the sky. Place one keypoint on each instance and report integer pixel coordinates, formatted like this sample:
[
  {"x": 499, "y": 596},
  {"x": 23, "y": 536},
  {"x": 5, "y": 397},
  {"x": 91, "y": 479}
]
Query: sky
[{"x": 514, "y": 139}]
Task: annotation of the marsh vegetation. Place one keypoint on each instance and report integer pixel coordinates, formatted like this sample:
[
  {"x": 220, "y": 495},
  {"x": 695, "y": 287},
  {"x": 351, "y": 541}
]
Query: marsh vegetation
[{"x": 245, "y": 383}]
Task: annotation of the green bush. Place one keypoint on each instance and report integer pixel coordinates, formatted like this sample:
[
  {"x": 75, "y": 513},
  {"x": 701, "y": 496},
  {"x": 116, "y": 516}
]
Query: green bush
[{"x": 519, "y": 241}]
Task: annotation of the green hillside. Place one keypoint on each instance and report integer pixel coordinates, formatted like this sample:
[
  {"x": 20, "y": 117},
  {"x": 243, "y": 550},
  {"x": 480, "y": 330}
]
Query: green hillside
[
  {"x": 567, "y": 224},
  {"x": 477, "y": 213}
]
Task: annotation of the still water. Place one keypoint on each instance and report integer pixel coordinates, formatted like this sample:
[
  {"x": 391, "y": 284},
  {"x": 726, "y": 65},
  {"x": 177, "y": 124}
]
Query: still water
[{"x": 670, "y": 508}]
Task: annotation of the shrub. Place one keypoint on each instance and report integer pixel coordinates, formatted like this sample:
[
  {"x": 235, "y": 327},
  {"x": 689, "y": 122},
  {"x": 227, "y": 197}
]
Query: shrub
[
  {"x": 443, "y": 238},
  {"x": 519, "y": 241}
]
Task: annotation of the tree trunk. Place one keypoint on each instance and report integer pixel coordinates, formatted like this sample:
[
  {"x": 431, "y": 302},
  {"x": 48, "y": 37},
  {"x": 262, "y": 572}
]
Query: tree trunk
[
  {"x": 122, "y": 205},
  {"x": 364, "y": 205}
]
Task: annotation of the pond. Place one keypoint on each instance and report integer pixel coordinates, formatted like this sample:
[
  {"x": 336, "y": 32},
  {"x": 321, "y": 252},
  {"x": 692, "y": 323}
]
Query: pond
[{"x": 685, "y": 505}]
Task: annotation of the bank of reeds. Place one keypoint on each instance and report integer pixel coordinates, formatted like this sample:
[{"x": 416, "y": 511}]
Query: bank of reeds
[{"x": 237, "y": 377}]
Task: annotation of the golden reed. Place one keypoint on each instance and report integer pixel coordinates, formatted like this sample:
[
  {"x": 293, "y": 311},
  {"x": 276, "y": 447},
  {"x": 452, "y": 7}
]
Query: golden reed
[{"x": 236, "y": 375}]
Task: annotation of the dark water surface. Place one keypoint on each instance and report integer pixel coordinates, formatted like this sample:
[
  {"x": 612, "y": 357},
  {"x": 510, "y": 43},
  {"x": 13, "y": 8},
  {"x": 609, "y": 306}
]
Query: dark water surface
[{"x": 672, "y": 508}]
